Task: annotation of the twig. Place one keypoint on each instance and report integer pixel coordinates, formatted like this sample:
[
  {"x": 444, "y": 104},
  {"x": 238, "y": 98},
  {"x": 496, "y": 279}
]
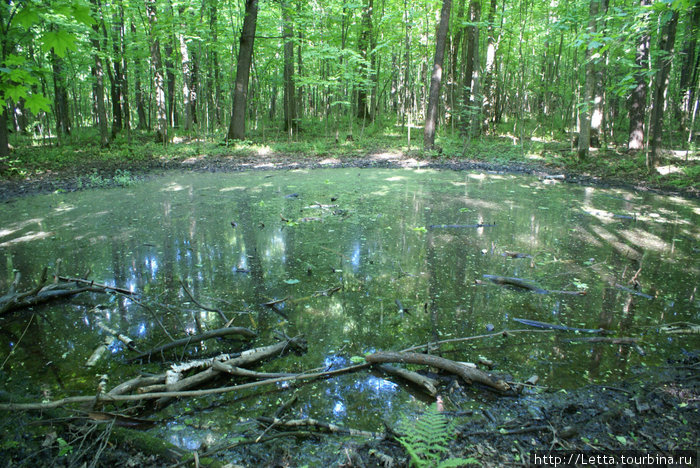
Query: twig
[
  {"x": 210, "y": 309},
  {"x": 92, "y": 283},
  {"x": 503, "y": 333},
  {"x": 18, "y": 342},
  {"x": 201, "y": 337}
]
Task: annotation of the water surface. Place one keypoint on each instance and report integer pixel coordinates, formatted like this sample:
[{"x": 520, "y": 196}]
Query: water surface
[{"x": 238, "y": 240}]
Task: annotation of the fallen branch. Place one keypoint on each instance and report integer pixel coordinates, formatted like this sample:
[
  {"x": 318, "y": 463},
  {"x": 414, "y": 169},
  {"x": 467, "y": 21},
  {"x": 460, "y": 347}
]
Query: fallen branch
[
  {"x": 247, "y": 333},
  {"x": 115, "y": 398},
  {"x": 504, "y": 334},
  {"x": 468, "y": 374},
  {"x": 92, "y": 283},
  {"x": 554, "y": 326},
  {"x": 314, "y": 423},
  {"x": 459, "y": 226},
  {"x": 426, "y": 383}
]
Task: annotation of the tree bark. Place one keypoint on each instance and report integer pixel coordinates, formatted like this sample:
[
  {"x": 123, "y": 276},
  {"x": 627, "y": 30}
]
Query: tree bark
[
  {"x": 663, "y": 66},
  {"x": 236, "y": 130},
  {"x": 471, "y": 52},
  {"x": 436, "y": 77},
  {"x": 584, "y": 135},
  {"x": 158, "y": 81},
  {"x": 638, "y": 98},
  {"x": 489, "y": 79},
  {"x": 689, "y": 67},
  {"x": 4, "y": 140},
  {"x": 60, "y": 100},
  {"x": 98, "y": 72},
  {"x": 187, "y": 90},
  {"x": 138, "y": 93},
  {"x": 363, "y": 44},
  {"x": 290, "y": 110}
]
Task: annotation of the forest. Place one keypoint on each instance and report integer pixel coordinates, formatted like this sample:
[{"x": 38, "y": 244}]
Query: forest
[
  {"x": 348, "y": 233},
  {"x": 593, "y": 75}
]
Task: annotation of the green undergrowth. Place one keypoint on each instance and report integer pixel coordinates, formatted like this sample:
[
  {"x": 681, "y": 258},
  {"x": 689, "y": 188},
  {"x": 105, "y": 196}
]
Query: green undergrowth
[{"x": 79, "y": 156}]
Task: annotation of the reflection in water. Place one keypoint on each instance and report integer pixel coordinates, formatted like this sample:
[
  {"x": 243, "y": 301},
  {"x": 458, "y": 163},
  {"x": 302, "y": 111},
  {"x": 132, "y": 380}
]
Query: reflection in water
[{"x": 375, "y": 245}]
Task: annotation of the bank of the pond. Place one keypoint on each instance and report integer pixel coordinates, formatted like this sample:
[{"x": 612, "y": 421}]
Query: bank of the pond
[
  {"x": 100, "y": 173},
  {"x": 655, "y": 413}
]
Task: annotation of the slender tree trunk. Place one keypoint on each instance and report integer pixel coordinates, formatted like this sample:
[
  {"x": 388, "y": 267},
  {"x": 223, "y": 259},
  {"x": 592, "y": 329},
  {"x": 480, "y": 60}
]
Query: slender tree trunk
[
  {"x": 186, "y": 72},
  {"x": 597, "y": 114},
  {"x": 117, "y": 79},
  {"x": 689, "y": 67},
  {"x": 63, "y": 125},
  {"x": 663, "y": 66},
  {"x": 98, "y": 72},
  {"x": 436, "y": 77},
  {"x": 161, "y": 127},
  {"x": 471, "y": 62},
  {"x": 489, "y": 79},
  {"x": 290, "y": 111},
  {"x": 124, "y": 78},
  {"x": 584, "y": 135},
  {"x": 4, "y": 140},
  {"x": 454, "y": 60},
  {"x": 363, "y": 44},
  {"x": 138, "y": 93},
  {"x": 638, "y": 99},
  {"x": 236, "y": 130}
]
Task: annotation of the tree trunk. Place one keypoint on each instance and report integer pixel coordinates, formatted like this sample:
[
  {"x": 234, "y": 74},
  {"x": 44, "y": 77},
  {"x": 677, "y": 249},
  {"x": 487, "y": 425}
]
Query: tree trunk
[
  {"x": 161, "y": 127},
  {"x": 124, "y": 78},
  {"x": 186, "y": 73},
  {"x": 599, "y": 92},
  {"x": 4, "y": 140},
  {"x": 436, "y": 77},
  {"x": 236, "y": 130},
  {"x": 638, "y": 98},
  {"x": 138, "y": 93},
  {"x": 584, "y": 135},
  {"x": 363, "y": 44},
  {"x": 663, "y": 66},
  {"x": 489, "y": 79},
  {"x": 290, "y": 111},
  {"x": 689, "y": 67},
  {"x": 470, "y": 60},
  {"x": 60, "y": 97},
  {"x": 98, "y": 72}
]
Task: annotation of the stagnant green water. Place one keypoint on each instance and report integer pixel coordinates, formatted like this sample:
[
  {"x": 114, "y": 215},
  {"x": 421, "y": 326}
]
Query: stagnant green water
[{"x": 375, "y": 241}]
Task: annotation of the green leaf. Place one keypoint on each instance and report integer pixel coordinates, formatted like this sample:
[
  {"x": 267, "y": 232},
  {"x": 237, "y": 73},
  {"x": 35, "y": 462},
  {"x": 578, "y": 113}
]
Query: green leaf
[
  {"x": 64, "y": 447},
  {"x": 357, "y": 359},
  {"x": 291, "y": 281},
  {"x": 81, "y": 13},
  {"x": 37, "y": 103},
  {"x": 16, "y": 92},
  {"x": 27, "y": 16},
  {"x": 59, "y": 41},
  {"x": 621, "y": 439}
]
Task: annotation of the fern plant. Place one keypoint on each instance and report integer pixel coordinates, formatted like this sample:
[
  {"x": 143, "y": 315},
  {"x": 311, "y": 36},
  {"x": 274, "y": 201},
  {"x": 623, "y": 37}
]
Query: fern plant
[{"x": 427, "y": 441}]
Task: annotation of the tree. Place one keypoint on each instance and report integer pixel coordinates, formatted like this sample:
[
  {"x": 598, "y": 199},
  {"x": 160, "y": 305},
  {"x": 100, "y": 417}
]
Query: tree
[
  {"x": 663, "y": 66},
  {"x": 158, "y": 81},
  {"x": 584, "y": 134},
  {"x": 98, "y": 76},
  {"x": 638, "y": 98},
  {"x": 290, "y": 108},
  {"x": 236, "y": 130},
  {"x": 436, "y": 77}
]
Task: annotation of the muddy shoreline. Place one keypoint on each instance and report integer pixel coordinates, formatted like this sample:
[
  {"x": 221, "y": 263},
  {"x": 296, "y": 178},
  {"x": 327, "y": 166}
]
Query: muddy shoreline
[{"x": 71, "y": 180}]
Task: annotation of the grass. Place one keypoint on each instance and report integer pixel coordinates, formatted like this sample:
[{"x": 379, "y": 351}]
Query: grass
[{"x": 79, "y": 155}]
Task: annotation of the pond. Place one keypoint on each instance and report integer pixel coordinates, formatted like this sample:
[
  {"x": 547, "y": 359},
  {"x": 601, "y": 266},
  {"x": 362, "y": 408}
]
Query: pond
[{"x": 360, "y": 260}]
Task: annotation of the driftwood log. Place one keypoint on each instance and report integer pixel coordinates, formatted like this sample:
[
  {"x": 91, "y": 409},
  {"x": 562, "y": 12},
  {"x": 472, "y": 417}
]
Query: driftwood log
[{"x": 468, "y": 374}]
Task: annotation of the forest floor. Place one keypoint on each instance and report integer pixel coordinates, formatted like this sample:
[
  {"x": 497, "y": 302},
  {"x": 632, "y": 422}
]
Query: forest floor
[{"x": 78, "y": 165}]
